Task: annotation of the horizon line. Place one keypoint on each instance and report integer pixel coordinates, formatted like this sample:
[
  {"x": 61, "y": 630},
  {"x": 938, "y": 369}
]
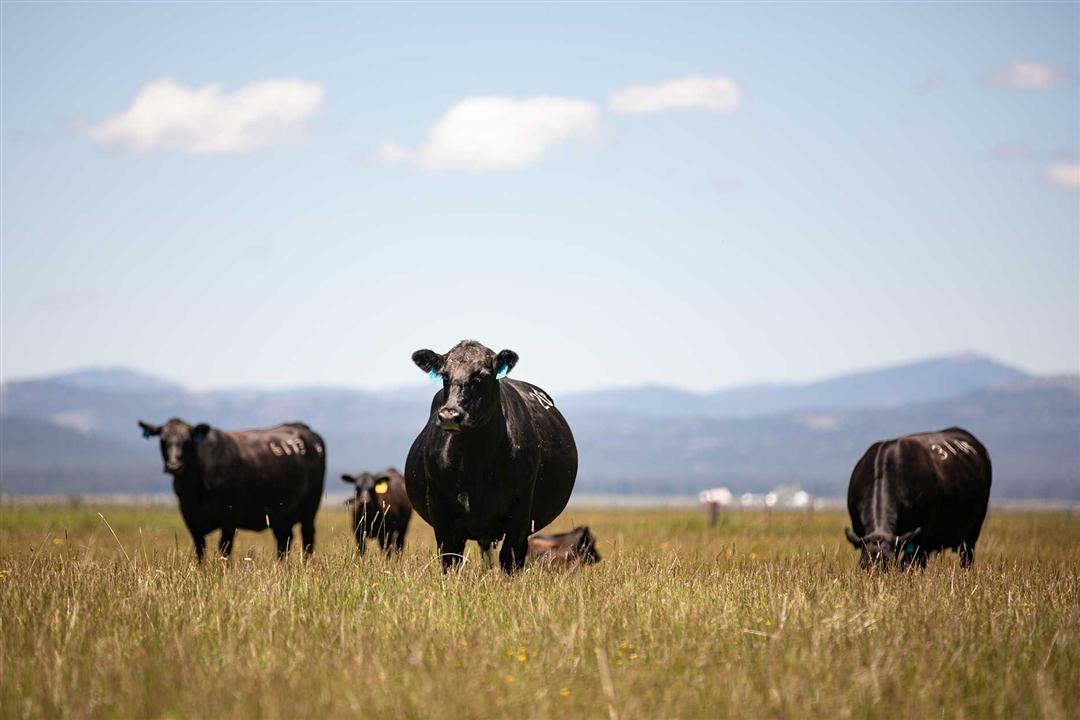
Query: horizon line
[{"x": 966, "y": 355}]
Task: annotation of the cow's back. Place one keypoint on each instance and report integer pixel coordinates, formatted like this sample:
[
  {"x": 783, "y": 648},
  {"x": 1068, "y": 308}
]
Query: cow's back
[{"x": 278, "y": 471}]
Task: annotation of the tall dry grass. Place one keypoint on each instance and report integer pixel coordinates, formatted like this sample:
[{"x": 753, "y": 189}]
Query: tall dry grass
[{"x": 764, "y": 616}]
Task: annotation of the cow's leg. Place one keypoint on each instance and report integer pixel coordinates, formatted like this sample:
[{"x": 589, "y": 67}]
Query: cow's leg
[
  {"x": 307, "y": 535},
  {"x": 284, "y": 537},
  {"x": 451, "y": 549},
  {"x": 514, "y": 548},
  {"x": 386, "y": 540},
  {"x": 487, "y": 551},
  {"x": 225, "y": 542},
  {"x": 196, "y": 525},
  {"x": 967, "y": 554},
  {"x": 399, "y": 541}
]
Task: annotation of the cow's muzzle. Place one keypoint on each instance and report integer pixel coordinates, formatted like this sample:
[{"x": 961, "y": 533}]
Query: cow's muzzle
[
  {"x": 450, "y": 419},
  {"x": 173, "y": 468}
]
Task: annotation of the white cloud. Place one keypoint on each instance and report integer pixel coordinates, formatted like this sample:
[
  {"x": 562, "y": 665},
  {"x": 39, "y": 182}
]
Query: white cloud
[
  {"x": 1028, "y": 75},
  {"x": 1066, "y": 175},
  {"x": 486, "y": 134},
  {"x": 166, "y": 115},
  {"x": 718, "y": 94}
]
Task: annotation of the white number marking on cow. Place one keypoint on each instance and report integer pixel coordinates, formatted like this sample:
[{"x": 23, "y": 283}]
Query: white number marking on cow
[
  {"x": 965, "y": 446},
  {"x": 545, "y": 402},
  {"x": 293, "y": 446},
  {"x": 946, "y": 449}
]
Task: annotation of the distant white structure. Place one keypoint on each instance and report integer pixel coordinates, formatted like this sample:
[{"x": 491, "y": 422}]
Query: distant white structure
[
  {"x": 720, "y": 496},
  {"x": 713, "y": 499},
  {"x": 788, "y": 496},
  {"x": 752, "y": 500},
  {"x": 784, "y": 497}
]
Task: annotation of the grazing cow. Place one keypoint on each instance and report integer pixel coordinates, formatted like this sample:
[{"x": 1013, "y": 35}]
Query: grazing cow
[
  {"x": 380, "y": 509},
  {"x": 576, "y": 546},
  {"x": 919, "y": 494},
  {"x": 244, "y": 479},
  {"x": 495, "y": 461}
]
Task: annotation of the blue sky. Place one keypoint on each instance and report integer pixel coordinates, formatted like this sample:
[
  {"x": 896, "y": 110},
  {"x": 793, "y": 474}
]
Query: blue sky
[{"x": 294, "y": 194}]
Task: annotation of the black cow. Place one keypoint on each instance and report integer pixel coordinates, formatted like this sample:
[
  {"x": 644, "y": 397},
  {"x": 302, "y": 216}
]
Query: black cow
[
  {"x": 244, "y": 479},
  {"x": 496, "y": 460},
  {"x": 380, "y": 509},
  {"x": 919, "y": 494},
  {"x": 576, "y": 546}
]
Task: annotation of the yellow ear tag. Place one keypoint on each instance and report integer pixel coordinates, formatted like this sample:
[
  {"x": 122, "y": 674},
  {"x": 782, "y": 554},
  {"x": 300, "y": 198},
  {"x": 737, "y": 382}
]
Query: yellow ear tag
[{"x": 381, "y": 487}]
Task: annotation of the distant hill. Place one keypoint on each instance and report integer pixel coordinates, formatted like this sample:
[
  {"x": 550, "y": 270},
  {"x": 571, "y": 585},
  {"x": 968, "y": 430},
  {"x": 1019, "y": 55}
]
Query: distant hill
[
  {"x": 114, "y": 378},
  {"x": 1032, "y": 430},
  {"x": 923, "y": 381},
  {"x": 77, "y": 433}
]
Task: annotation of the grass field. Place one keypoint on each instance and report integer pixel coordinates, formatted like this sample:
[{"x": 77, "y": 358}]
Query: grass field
[{"x": 763, "y": 616}]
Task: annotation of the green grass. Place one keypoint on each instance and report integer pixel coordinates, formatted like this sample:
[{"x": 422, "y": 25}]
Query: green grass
[{"x": 764, "y": 616}]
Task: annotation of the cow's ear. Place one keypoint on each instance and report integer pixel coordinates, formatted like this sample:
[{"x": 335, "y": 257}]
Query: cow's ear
[
  {"x": 148, "y": 430},
  {"x": 909, "y": 537},
  {"x": 429, "y": 361},
  {"x": 585, "y": 539},
  {"x": 852, "y": 538},
  {"x": 505, "y": 362},
  {"x": 199, "y": 432},
  {"x": 348, "y": 479}
]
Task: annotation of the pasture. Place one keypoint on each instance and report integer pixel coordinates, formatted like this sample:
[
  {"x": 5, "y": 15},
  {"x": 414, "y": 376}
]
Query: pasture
[{"x": 766, "y": 615}]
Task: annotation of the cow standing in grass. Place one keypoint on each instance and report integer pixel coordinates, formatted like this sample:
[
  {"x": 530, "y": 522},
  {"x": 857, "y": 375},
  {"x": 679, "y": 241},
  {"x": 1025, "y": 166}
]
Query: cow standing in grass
[
  {"x": 380, "y": 509},
  {"x": 495, "y": 461},
  {"x": 244, "y": 480},
  {"x": 919, "y": 494}
]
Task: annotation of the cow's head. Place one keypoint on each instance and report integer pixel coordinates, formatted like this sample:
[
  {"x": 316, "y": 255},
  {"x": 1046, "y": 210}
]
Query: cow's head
[
  {"x": 178, "y": 441},
  {"x": 470, "y": 376},
  {"x": 883, "y": 550},
  {"x": 365, "y": 486}
]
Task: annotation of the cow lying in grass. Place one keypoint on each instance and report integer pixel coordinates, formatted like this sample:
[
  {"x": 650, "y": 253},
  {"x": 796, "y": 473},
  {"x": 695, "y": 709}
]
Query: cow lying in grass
[{"x": 576, "y": 546}]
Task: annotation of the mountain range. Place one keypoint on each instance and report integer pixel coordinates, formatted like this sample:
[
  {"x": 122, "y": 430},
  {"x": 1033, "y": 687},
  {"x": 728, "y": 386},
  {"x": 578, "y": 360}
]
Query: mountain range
[{"x": 76, "y": 432}]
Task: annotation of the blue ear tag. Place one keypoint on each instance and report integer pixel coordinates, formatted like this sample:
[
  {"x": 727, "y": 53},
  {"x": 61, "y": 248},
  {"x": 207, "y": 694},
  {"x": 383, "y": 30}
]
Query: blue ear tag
[
  {"x": 146, "y": 434},
  {"x": 435, "y": 376},
  {"x": 909, "y": 549},
  {"x": 196, "y": 439},
  {"x": 503, "y": 372}
]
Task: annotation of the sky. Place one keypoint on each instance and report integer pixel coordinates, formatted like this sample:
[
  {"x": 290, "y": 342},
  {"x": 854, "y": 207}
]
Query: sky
[{"x": 692, "y": 195}]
